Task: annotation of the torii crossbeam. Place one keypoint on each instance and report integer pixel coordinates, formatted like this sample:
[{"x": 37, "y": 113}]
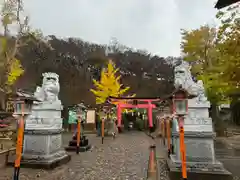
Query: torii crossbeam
[{"x": 134, "y": 102}]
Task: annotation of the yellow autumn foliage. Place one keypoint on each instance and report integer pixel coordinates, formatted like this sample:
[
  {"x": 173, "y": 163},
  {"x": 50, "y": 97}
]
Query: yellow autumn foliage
[
  {"x": 214, "y": 53},
  {"x": 10, "y": 67},
  {"x": 108, "y": 85},
  {"x": 16, "y": 70}
]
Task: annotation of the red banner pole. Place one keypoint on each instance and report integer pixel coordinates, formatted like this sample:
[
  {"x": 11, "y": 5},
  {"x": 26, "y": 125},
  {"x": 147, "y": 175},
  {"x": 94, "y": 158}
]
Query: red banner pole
[
  {"x": 119, "y": 115},
  {"x": 78, "y": 135},
  {"x": 182, "y": 147},
  {"x": 150, "y": 115},
  {"x": 168, "y": 136},
  {"x": 19, "y": 146}
]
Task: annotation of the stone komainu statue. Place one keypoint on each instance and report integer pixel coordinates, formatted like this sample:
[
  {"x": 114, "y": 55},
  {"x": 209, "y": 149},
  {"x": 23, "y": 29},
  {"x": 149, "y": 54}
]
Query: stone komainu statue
[
  {"x": 183, "y": 79},
  {"x": 50, "y": 88}
]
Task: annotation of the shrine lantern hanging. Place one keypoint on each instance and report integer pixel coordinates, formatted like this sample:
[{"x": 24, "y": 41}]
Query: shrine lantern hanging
[
  {"x": 180, "y": 102},
  {"x": 135, "y": 102}
]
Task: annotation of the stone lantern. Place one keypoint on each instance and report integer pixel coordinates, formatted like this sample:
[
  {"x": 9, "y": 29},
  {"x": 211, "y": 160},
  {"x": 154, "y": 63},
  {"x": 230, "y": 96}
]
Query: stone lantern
[
  {"x": 180, "y": 109},
  {"x": 84, "y": 143},
  {"x": 81, "y": 112},
  {"x": 23, "y": 102},
  {"x": 180, "y": 102},
  {"x": 192, "y": 130}
]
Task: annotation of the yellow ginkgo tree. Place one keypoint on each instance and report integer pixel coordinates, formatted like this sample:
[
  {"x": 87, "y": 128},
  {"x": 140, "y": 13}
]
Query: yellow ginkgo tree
[{"x": 109, "y": 84}]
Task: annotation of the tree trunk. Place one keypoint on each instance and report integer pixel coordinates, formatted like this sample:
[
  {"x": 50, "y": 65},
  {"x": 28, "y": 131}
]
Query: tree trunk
[
  {"x": 2, "y": 102},
  {"x": 235, "y": 106},
  {"x": 218, "y": 123}
]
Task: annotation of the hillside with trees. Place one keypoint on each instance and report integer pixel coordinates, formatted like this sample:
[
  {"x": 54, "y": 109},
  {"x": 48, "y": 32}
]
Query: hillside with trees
[
  {"x": 78, "y": 62},
  {"x": 213, "y": 53},
  {"x": 25, "y": 54}
]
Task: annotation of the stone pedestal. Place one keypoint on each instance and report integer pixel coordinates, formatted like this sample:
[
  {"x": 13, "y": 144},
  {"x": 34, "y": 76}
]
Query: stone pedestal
[
  {"x": 84, "y": 144},
  {"x": 199, "y": 135},
  {"x": 43, "y": 149}
]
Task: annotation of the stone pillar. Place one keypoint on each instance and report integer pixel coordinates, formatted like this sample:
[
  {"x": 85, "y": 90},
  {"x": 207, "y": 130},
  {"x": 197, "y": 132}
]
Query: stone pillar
[{"x": 199, "y": 135}]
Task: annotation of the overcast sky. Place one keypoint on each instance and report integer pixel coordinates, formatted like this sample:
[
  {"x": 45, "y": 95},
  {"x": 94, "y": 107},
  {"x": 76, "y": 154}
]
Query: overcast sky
[{"x": 153, "y": 25}]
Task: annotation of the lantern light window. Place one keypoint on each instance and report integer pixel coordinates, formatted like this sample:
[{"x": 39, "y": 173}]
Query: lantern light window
[{"x": 180, "y": 106}]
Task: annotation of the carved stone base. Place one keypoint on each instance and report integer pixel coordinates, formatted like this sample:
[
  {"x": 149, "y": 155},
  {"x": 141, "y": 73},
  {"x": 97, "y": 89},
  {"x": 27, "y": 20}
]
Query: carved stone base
[
  {"x": 42, "y": 142},
  {"x": 199, "y": 146},
  {"x": 198, "y": 170},
  {"x": 200, "y": 157},
  {"x": 52, "y": 162},
  {"x": 43, "y": 148}
]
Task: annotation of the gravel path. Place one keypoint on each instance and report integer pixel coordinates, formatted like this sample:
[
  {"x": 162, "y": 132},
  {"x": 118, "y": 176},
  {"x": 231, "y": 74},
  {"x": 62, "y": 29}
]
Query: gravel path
[{"x": 125, "y": 158}]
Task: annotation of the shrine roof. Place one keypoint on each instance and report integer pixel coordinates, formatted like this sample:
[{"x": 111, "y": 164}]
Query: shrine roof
[{"x": 224, "y": 3}]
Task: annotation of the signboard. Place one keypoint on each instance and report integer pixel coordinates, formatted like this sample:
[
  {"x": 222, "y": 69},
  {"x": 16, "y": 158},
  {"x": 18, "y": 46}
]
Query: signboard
[
  {"x": 72, "y": 117},
  {"x": 91, "y": 116}
]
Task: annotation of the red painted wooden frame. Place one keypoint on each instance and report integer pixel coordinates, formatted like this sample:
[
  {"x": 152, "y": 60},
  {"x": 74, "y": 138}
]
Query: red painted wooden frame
[{"x": 147, "y": 105}]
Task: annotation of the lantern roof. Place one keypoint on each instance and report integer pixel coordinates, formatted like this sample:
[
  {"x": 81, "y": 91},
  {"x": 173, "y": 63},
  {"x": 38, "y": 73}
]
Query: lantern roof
[
  {"x": 171, "y": 96},
  {"x": 21, "y": 95},
  {"x": 224, "y": 3},
  {"x": 81, "y": 105},
  {"x": 77, "y": 106}
]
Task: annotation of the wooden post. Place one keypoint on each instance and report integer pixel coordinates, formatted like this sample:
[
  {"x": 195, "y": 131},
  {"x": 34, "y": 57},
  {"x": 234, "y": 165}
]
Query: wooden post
[
  {"x": 172, "y": 146},
  {"x": 168, "y": 136},
  {"x": 150, "y": 120},
  {"x": 152, "y": 173},
  {"x": 78, "y": 135},
  {"x": 163, "y": 131},
  {"x": 73, "y": 127},
  {"x": 182, "y": 148},
  {"x": 119, "y": 115},
  {"x": 19, "y": 146},
  {"x": 161, "y": 128},
  {"x": 102, "y": 130}
]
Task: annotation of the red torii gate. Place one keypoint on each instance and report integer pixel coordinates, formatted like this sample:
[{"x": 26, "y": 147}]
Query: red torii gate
[{"x": 121, "y": 103}]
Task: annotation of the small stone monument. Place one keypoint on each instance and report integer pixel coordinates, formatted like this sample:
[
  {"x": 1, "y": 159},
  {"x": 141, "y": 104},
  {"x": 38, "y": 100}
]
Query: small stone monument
[
  {"x": 198, "y": 127},
  {"x": 43, "y": 127}
]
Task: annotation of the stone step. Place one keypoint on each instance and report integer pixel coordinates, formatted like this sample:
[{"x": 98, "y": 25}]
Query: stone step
[
  {"x": 230, "y": 143},
  {"x": 226, "y": 157},
  {"x": 85, "y": 131},
  {"x": 227, "y": 154},
  {"x": 33, "y": 164},
  {"x": 81, "y": 148},
  {"x": 82, "y": 143},
  {"x": 198, "y": 172},
  {"x": 176, "y": 175}
]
